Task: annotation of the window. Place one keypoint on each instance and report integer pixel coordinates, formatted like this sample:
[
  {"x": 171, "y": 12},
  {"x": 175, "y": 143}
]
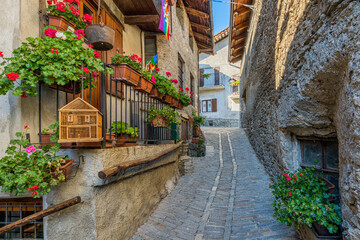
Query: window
[
  {"x": 12, "y": 210},
  {"x": 217, "y": 75},
  {"x": 202, "y": 77},
  {"x": 322, "y": 155},
  {"x": 181, "y": 71},
  {"x": 235, "y": 90},
  {"x": 150, "y": 47},
  {"x": 192, "y": 87},
  {"x": 209, "y": 105}
]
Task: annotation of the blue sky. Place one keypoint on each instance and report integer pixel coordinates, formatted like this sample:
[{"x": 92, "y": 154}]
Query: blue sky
[{"x": 221, "y": 14}]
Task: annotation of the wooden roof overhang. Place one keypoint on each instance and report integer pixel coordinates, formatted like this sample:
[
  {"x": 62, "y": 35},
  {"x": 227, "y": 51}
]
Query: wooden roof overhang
[
  {"x": 201, "y": 23},
  {"x": 240, "y": 17},
  {"x": 143, "y": 13}
]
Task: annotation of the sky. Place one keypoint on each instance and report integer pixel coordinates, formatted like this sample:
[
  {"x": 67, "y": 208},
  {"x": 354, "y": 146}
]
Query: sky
[{"x": 221, "y": 15}]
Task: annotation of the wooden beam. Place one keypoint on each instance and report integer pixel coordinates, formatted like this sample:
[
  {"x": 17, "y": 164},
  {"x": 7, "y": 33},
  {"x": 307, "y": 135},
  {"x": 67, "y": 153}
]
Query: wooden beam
[
  {"x": 206, "y": 28},
  {"x": 180, "y": 4},
  {"x": 39, "y": 215},
  {"x": 233, "y": 60},
  {"x": 112, "y": 171},
  {"x": 238, "y": 37},
  {"x": 191, "y": 33},
  {"x": 202, "y": 36},
  {"x": 196, "y": 12},
  {"x": 142, "y": 19},
  {"x": 241, "y": 26},
  {"x": 240, "y": 13},
  {"x": 203, "y": 45},
  {"x": 236, "y": 49},
  {"x": 204, "y": 50}
]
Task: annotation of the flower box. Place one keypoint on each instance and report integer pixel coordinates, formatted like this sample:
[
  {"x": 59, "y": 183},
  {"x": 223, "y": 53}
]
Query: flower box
[
  {"x": 126, "y": 73},
  {"x": 174, "y": 102},
  {"x": 66, "y": 168},
  {"x": 120, "y": 141},
  {"x": 159, "y": 121},
  {"x": 322, "y": 232},
  {"x": 168, "y": 99},
  {"x": 155, "y": 93},
  {"x": 61, "y": 23},
  {"x": 144, "y": 85},
  {"x": 45, "y": 140}
]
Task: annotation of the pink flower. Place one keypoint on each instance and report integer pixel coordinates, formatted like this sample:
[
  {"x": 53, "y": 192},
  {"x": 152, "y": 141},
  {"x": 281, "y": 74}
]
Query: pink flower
[
  {"x": 175, "y": 81},
  {"x": 181, "y": 90},
  {"x": 80, "y": 33},
  {"x": 77, "y": 2},
  {"x": 153, "y": 79},
  {"x": 295, "y": 177},
  {"x": 61, "y": 7},
  {"x": 87, "y": 18},
  {"x": 327, "y": 207},
  {"x": 12, "y": 76},
  {"x": 294, "y": 181},
  {"x": 50, "y": 32},
  {"x": 157, "y": 69},
  {"x": 290, "y": 193},
  {"x": 30, "y": 149},
  {"x": 55, "y": 50},
  {"x": 184, "y": 137},
  {"x": 86, "y": 70},
  {"x": 97, "y": 55},
  {"x": 94, "y": 74},
  {"x": 269, "y": 184},
  {"x": 91, "y": 46},
  {"x": 168, "y": 74}
]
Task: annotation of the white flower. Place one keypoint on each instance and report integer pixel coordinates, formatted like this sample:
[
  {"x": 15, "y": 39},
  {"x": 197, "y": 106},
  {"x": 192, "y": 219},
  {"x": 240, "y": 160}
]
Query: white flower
[{"x": 60, "y": 35}]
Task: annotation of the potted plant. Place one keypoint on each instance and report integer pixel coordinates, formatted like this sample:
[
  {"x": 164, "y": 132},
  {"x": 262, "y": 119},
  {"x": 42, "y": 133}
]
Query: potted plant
[
  {"x": 163, "y": 117},
  {"x": 146, "y": 82},
  {"x": 63, "y": 15},
  {"x": 25, "y": 168},
  {"x": 198, "y": 120},
  {"x": 235, "y": 83},
  {"x": 165, "y": 87},
  {"x": 45, "y": 137},
  {"x": 185, "y": 97},
  {"x": 127, "y": 68},
  {"x": 58, "y": 58},
  {"x": 302, "y": 198},
  {"x": 206, "y": 75},
  {"x": 125, "y": 133}
]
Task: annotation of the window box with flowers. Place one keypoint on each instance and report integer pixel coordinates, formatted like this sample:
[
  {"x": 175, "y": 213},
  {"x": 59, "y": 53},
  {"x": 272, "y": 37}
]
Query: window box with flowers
[
  {"x": 302, "y": 198},
  {"x": 65, "y": 14},
  {"x": 25, "y": 168},
  {"x": 125, "y": 133},
  {"x": 185, "y": 97},
  {"x": 58, "y": 58},
  {"x": 127, "y": 68},
  {"x": 146, "y": 83}
]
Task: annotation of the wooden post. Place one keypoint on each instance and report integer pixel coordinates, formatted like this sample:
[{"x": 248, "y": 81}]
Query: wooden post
[{"x": 41, "y": 214}]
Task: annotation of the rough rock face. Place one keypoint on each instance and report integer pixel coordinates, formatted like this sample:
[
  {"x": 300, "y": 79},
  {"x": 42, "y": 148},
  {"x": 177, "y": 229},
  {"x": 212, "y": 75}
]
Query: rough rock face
[{"x": 301, "y": 77}]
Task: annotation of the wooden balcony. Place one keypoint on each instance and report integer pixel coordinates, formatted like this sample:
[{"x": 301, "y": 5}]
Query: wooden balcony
[{"x": 143, "y": 13}]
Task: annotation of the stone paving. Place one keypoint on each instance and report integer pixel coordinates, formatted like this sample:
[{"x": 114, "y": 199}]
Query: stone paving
[{"x": 226, "y": 197}]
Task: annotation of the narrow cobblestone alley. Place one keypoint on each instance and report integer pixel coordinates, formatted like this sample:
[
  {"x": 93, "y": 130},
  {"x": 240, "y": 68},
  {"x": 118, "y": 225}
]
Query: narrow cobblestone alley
[{"x": 226, "y": 197}]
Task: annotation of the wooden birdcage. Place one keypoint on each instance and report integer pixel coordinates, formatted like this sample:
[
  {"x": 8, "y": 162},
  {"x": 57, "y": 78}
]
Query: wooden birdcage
[{"x": 79, "y": 122}]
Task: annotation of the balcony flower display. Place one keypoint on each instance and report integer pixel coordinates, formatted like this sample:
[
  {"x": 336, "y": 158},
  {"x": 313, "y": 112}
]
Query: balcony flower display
[
  {"x": 124, "y": 128},
  {"x": 185, "y": 97},
  {"x": 301, "y": 198},
  {"x": 127, "y": 68},
  {"x": 206, "y": 75},
  {"x": 235, "y": 83},
  {"x": 163, "y": 117},
  {"x": 57, "y": 58},
  {"x": 25, "y": 168},
  {"x": 69, "y": 11}
]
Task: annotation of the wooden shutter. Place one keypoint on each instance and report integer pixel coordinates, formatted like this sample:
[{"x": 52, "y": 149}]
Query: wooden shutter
[
  {"x": 217, "y": 75},
  {"x": 214, "y": 105},
  {"x": 201, "y": 77}
]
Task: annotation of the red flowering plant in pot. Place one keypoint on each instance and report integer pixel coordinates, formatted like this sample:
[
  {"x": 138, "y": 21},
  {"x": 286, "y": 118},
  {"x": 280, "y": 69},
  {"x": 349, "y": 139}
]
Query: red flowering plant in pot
[
  {"x": 127, "y": 68},
  {"x": 59, "y": 58},
  {"x": 302, "y": 198},
  {"x": 185, "y": 97},
  {"x": 24, "y": 168},
  {"x": 66, "y": 13}
]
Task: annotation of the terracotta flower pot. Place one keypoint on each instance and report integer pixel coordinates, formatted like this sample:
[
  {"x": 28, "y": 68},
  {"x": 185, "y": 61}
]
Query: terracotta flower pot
[
  {"x": 45, "y": 140},
  {"x": 168, "y": 99},
  {"x": 195, "y": 140},
  {"x": 66, "y": 168},
  {"x": 126, "y": 73},
  {"x": 61, "y": 23},
  {"x": 155, "y": 93},
  {"x": 144, "y": 85},
  {"x": 159, "y": 121}
]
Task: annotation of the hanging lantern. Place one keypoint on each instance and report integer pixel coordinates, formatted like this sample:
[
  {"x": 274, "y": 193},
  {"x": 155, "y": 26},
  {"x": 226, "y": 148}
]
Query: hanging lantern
[{"x": 101, "y": 36}]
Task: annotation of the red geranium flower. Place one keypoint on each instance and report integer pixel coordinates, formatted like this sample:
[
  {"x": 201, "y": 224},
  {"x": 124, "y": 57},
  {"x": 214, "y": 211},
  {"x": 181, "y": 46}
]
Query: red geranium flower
[
  {"x": 97, "y": 55},
  {"x": 86, "y": 70},
  {"x": 191, "y": 93},
  {"x": 80, "y": 33},
  {"x": 191, "y": 96},
  {"x": 55, "y": 50},
  {"x": 91, "y": 46},
  {"x": 94, "y": 73},
  {"x": 140, "y": 59},
  {"x": 1, "y": 54},
  {"x": 157, "y": 69},
  {"x": 187, "y": 89},
  {"x": 26, "y": 126},
  {"x": 50, "y": 32},
  {"x": 69, "y": 1},
  {"x": 168, "y": 74},
  {"x": 290, "y": 193},
  {"x": 49, "y": 2},
  {"x": 34, "y": 193},
  {"x": 12, "y": 76},
  {"x": 77, "y": 2},
  {"x": 87, "y": 18},
  {"x": 61, "y": 7},
  {"x": 23, "y": 95}
]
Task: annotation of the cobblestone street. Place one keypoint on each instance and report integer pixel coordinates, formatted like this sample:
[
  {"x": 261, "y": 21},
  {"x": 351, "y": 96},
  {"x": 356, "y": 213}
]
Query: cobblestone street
[{"x": 226, "y": 197}]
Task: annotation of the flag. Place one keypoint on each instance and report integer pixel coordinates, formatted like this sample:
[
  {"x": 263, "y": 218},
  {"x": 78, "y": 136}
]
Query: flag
[
  {"x": 165, "y": 18},
  {"x": 153, "y": 62}
]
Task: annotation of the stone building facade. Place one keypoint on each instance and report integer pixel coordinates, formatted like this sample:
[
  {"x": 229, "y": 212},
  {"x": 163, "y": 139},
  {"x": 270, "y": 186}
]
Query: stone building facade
[
  {"x": 217, "y": 85},
  {"x": 107, "y": 211},
  {"x": 300, "y": 77}
]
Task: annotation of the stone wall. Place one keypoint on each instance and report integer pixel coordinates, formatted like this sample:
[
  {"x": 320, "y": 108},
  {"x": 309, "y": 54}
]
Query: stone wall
[
  {"x": 115, "y": 210},
  {"x": 300, "y": 77}
]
